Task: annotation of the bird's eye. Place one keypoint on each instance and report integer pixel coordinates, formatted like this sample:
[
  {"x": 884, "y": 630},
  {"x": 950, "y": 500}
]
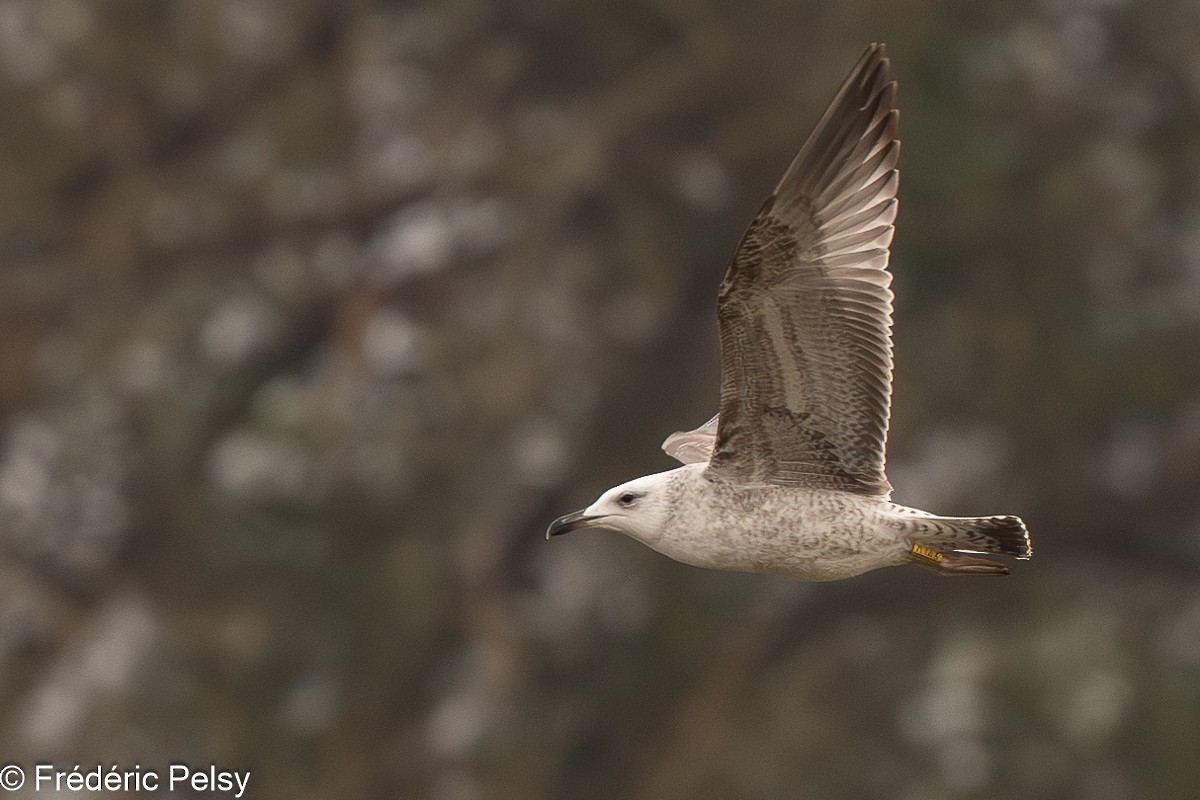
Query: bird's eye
[{"x": 627, "y": 499}]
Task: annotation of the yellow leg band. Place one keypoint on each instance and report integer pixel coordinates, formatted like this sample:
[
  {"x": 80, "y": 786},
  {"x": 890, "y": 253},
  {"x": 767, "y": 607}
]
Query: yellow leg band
[{"x": 927, "y": 553}]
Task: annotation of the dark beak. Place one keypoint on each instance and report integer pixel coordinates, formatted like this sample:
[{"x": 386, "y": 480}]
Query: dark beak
[{"x": 570, "y": 522}]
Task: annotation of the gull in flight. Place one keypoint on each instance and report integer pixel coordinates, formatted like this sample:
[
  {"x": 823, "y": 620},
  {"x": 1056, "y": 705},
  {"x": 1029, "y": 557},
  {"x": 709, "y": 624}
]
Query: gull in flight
[{"x": 788, "y": 478}]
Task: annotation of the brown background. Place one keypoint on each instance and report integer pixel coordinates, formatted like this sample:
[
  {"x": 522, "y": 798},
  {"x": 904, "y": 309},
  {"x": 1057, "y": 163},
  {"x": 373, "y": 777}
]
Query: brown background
[{"x": 313, "y": 314}]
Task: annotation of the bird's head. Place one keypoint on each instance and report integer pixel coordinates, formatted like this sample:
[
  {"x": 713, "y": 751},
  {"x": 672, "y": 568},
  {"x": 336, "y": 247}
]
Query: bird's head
[{"x": 638, "y": 508}]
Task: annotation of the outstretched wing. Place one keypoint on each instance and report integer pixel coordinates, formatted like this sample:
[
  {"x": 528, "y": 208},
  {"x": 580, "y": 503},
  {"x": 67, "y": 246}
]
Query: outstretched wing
[{"x": 805, "y": 309}]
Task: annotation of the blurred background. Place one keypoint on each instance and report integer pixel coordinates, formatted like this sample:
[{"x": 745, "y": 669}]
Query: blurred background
[{"x": 314, "y": 313}]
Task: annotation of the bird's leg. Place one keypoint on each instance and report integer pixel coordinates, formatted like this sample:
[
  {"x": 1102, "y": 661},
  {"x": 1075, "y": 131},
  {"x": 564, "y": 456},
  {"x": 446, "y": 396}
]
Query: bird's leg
[
  {"x": 926, "y": 555},
  {"x": 954, "y": 563}
]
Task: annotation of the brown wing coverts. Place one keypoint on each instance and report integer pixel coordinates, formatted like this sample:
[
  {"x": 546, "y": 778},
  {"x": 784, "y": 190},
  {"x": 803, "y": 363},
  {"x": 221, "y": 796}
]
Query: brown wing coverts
[{"x": 805, "y": 308}]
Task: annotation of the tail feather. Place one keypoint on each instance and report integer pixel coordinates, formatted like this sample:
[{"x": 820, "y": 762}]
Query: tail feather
[{"x": 1005, "y": 535}]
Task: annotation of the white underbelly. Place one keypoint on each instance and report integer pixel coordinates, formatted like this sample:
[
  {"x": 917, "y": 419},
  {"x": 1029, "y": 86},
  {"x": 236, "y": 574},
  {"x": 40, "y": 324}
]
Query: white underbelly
[{"x": 815, "y": 552}]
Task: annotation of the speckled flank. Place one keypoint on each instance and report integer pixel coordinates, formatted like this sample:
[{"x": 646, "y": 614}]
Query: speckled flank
[
  {"x": 808, "y": 534},
  {"x": 801, "y": 533}
]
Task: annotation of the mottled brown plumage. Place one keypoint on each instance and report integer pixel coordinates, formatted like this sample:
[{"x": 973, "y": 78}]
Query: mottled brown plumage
[
  {"x": 789, "y": 478},
  {"x": 805, "y": 312}
]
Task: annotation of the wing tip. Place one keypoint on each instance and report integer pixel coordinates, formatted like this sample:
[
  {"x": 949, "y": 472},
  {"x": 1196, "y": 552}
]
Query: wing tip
[{"x": 690, "y": 447}]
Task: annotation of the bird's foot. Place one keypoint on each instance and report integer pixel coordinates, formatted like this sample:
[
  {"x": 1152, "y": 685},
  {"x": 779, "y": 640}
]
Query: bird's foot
[{"x": 954, "y": 563}]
